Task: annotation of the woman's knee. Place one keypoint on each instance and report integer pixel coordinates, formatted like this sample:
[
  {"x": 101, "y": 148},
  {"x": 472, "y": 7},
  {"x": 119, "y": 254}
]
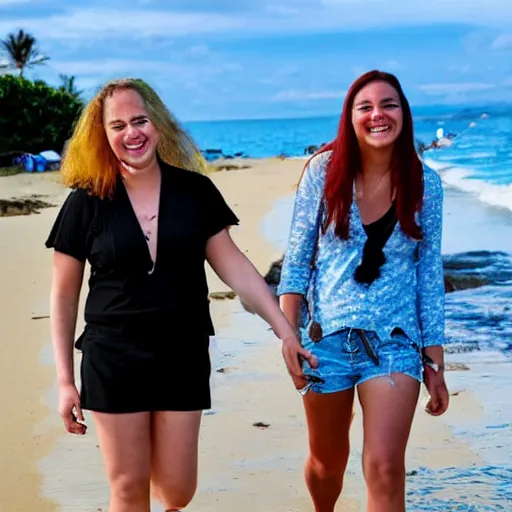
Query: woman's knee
[
  {"x": 384, "y": 474},
  {"x": 174, "y": 495},
  {"x": 328, "y": 467},
  {"x": 130, "y": 487}
]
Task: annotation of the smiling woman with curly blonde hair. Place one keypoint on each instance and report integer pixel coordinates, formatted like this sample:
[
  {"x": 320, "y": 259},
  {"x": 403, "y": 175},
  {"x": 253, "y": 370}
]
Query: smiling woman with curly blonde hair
[
  {"x": 89, "y": 161},
  {"x": 146, "y": 224}
]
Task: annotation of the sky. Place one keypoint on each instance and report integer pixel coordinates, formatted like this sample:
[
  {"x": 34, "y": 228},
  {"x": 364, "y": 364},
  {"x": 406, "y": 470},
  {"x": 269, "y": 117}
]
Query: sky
[{"x": 234, "y": 59}]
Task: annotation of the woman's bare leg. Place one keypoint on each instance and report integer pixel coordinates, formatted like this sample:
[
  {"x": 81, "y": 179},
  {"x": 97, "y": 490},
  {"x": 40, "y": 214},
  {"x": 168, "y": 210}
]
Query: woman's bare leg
[
  {"x": 328, "y": 418},
  {"x": 388, "y": 411},
  {"x": 126, "y": 449},
  {"x": 175, "y": 438}
]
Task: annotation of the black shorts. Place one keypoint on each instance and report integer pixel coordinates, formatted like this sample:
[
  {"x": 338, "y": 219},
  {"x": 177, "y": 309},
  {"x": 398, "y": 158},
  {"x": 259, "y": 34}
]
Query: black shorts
[{"x": 150, "y": 372}]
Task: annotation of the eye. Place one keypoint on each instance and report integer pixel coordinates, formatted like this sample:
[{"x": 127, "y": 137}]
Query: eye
[
  {"x": 117, "y": 127},
  {"x": 365, "y": 108},
  {"x": 391, "y": 106},
  {"x": 141, "y": 122}
]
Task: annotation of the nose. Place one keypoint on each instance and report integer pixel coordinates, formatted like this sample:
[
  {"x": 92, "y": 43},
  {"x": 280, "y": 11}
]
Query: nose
[
  {"x": 377, "y": 113},
  {"x": 131, "y": 131}
]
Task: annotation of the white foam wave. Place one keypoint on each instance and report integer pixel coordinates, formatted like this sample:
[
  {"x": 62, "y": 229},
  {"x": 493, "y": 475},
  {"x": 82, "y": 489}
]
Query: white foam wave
[{"x": 462, "y": 179}]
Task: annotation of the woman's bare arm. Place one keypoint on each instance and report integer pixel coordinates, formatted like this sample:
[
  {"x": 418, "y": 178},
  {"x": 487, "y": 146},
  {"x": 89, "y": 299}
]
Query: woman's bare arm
[
  {"x": 235, "y": 269},
  {"x": 65, "y": 292}
]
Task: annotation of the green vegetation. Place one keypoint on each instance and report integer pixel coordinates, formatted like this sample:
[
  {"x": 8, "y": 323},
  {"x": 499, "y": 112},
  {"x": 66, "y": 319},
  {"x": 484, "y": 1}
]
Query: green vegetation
[
  {"x": 68, "y": 85},
  {"x": 35, "y": 116},
  {"x": 10, "y": 171}
]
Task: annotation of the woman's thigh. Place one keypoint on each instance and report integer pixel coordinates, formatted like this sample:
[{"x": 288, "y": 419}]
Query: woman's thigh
[
  {"x": 388, "y": 405},
  {"x": 328, "y": 418},
  {"x": 125, "y": 443},
  {"x": 174, "y": 448}
]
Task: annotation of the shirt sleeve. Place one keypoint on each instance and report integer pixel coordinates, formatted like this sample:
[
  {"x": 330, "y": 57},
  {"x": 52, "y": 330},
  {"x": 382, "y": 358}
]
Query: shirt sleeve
[
  {"x": 217, "y": 215},
  {"x": 296, "y": 268},
  {"x": 71, "y": 227},
  {"x": 430, "y": 273}
]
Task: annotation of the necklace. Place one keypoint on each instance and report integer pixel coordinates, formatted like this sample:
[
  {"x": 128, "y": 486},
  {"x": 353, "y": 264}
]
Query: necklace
[
  {"x": 147, "y": 231},
  {"x": 360, "y": 194}
]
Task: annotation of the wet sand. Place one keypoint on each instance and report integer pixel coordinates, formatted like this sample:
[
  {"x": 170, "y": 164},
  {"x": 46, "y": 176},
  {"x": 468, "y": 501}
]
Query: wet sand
[{"x": 243, "y": 467}]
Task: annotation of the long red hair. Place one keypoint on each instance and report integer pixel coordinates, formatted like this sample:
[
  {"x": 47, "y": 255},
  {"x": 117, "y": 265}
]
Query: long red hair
[{"x": 345, "y": 162}]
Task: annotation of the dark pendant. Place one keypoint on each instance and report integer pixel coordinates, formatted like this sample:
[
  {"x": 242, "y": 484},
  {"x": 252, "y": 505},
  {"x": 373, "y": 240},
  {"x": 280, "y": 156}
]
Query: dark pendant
[{"x": 315, "y": 332}]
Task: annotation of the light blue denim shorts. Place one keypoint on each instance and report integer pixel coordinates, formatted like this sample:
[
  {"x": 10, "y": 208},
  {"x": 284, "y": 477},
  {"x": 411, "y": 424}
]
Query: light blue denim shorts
[{"x": 344, "y": 361}]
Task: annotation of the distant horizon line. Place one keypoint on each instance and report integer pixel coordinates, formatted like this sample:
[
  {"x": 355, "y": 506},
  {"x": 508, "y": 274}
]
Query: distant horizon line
[{"x": 446, "y": 106}]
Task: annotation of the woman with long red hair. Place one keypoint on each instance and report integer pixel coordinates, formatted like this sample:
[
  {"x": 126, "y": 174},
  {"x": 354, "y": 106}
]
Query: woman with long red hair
[{"x": 362, "y": 280}]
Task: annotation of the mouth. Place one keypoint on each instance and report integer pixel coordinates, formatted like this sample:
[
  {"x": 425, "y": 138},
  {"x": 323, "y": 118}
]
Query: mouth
[
  {"x": 379, "y": 129},
  {"x": 136, "y": 148}
]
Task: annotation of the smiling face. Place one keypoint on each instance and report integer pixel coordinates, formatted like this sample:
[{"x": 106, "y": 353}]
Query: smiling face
[
  {"x": 130, "y": 133},
  {"x": 377, "y": 116}
]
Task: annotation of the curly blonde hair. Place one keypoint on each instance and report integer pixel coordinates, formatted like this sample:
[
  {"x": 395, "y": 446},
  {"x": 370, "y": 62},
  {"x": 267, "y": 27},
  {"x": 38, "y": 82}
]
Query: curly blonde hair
[{"x": 89, "y": 161}]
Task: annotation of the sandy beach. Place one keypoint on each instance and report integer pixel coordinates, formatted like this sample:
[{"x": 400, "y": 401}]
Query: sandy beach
[{"x": 242, "y": 466}]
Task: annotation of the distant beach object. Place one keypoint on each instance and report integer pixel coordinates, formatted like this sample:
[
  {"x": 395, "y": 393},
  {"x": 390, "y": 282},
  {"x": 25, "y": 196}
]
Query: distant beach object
[
  {"x": 48, "y": 160},
  {"x": 444, "y": 142},
  {"x": 215, "y": 154},
  {"x": 313, "y": 148},
  {"x": 441, "y": 141},
  {"x": 212, "y": 154}
]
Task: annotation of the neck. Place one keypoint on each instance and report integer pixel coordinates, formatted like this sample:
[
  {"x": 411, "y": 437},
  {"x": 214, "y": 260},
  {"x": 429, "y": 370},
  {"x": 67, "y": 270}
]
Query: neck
[
  {"x": 146, "y": 177},
  {"x": 376, "y": 162}
]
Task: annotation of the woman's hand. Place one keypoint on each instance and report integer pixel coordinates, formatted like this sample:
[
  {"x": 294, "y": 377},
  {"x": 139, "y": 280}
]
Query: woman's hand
[
  {"x": 438, "y": 391},
  {"x": 70, "y": 410},
  {"x": 294, "y": 353}
]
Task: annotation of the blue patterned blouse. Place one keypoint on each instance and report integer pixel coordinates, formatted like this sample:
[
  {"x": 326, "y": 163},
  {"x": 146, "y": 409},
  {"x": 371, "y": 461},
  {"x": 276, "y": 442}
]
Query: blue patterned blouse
[{"x": 409, "y": 294}]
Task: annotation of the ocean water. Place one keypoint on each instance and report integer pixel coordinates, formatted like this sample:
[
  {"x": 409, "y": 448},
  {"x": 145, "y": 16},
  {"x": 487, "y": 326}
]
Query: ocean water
[
  {"x": 479, "y": 162},
  {"x": 477, "y": 250}
]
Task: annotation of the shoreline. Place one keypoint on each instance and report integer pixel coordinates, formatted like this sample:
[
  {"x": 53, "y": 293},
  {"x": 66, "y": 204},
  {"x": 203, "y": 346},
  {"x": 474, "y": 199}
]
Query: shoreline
[{"x": 235, "y": 466}]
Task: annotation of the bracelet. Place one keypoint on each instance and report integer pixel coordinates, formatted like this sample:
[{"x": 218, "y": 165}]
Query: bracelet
[
  {"x": 436, "y": 367},
  {"x": 428, "y": 361}
]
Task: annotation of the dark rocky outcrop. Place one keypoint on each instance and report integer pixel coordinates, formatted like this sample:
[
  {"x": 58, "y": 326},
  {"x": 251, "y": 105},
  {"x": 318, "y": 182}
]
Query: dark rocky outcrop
[
  {"x": 12, "y": 207},
  {"x": 313, "y": 148},
  {"x": 461, "y": 271}
]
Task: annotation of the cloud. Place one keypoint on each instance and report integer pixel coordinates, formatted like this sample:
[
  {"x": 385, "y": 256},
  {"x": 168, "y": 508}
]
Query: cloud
[
  {"x": 294, "y": 95},
  {"x": 14, "y": 2},
  {"x": 392, "y": 65},
  {"x": 104, "y": 66},
  {"x": 111, "y": 23},
  {"x": 455, "y": 87},
  {"x": 503, "y": 41},
  {"x": 254, "y": 19}
]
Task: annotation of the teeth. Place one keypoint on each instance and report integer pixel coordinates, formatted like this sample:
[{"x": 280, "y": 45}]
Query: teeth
[
  {"x": 378, "y": 129},
  {"x": 134, "y": 146}
]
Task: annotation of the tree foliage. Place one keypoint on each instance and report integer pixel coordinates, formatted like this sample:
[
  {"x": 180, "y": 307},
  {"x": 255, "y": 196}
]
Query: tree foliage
[
  {"x": 21, "y": 52},
  {"x": 35, "y": 116},
  {"x": 68, "y": 85}
]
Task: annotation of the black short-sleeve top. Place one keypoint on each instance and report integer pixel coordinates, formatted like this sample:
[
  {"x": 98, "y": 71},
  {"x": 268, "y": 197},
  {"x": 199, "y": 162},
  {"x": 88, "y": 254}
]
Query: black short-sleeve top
[{"x": 124, "y": 288}]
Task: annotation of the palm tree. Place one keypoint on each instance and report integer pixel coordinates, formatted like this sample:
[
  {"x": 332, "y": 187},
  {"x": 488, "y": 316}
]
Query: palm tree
[
  {"x": 21, "y": 52},
  {"x": 68, "y": 85}
]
